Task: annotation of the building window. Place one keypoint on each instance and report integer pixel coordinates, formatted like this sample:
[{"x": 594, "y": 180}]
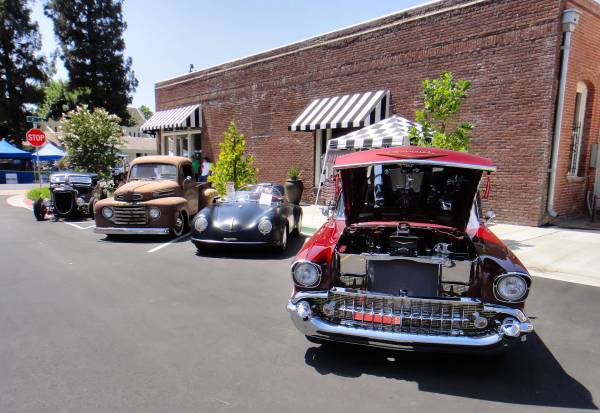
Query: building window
[
  {"x": 578, "y": 128},
  {"x": 323, "y": 136}
]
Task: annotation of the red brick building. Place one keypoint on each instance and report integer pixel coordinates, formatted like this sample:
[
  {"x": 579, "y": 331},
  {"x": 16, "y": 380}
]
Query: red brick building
[{"x": 534, "y": 67}]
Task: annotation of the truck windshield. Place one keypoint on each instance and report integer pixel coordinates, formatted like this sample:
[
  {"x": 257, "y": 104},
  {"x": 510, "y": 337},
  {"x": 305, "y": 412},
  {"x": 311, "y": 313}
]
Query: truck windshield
[{"x": 152, "y": 171}]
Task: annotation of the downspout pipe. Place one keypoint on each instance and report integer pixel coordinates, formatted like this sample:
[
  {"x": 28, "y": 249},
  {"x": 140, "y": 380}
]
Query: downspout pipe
[{"x": 570, "y": 18}]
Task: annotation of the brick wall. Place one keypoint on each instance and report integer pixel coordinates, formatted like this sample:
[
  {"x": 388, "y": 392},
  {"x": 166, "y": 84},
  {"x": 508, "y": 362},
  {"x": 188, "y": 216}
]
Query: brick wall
[
  {"x": 584, "y": 66},
  {"x": 509, "y": 49}
]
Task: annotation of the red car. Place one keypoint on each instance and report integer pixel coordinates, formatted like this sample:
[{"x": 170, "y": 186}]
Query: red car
[{"x": 405, "y": 260}]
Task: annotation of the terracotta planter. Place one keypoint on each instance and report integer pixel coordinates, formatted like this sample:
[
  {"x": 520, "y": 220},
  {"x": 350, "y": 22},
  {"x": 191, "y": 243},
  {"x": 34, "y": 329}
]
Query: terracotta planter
[{"x": 293, "y": 190}]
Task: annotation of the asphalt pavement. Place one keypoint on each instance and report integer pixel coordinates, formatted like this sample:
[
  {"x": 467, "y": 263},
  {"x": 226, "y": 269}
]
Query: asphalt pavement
[{"x": 142, "y": 325}]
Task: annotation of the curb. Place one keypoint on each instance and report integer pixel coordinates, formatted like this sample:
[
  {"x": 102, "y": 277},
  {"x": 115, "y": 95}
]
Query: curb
[{"x": 19, "y": 201}]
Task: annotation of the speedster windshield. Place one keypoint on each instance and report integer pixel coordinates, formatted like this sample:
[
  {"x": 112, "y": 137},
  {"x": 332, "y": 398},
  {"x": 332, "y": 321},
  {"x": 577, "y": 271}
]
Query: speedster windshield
[
  {"x": 152, "y": 171},
  {"x": 403, "y": 192},
  {"x": 262, "y": 194}
]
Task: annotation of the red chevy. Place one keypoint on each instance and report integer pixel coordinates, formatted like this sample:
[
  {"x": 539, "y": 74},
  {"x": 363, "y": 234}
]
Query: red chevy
[{"x": 405, "y": 260}]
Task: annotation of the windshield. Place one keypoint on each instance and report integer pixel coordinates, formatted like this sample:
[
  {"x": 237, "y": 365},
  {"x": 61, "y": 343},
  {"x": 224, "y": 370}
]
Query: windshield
[
  {"x": 436, "y": 194},
  {"x": 262, "y": 194},
  {"x": 151, "y": 171}
]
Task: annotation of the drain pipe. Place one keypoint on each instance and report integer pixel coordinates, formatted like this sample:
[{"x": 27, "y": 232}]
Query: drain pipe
[{"x": 570, "y": 18}]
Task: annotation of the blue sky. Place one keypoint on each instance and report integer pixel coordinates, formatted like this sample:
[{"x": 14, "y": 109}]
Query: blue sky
[{"x": 165, "y": 37}]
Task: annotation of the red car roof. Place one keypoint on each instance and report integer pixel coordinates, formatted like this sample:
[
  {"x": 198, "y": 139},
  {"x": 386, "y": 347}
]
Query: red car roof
[{"x": 414, "y": 155}]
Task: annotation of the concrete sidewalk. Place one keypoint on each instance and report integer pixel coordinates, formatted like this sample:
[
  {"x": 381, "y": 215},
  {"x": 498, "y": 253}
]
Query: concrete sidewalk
[{"x": 553, "y": 252}]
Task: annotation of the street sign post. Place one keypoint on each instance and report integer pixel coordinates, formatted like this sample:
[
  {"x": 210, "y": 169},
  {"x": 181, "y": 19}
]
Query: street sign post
[{"x": 36, "y": 138}]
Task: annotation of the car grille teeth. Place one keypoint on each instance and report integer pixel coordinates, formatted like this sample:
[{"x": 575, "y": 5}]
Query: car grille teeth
[
  {"x": 403, "y": 314},
  {"x": 130, "y": 215}
]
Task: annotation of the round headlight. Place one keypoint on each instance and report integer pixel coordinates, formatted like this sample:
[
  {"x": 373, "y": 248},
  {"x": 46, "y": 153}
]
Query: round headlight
[
  {"x": 306, "y": 274},
  {"x": 107, "y": 212},
  {"x": 511, "y": 287},
  {"x": 154, "y": 213},
  {"x": 265, "y": 226},
  {"x": 201, "y": 223}
]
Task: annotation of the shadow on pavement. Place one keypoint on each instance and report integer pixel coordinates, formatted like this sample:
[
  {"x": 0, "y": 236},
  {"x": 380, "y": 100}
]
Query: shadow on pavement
[
  {"x": 144, "y": 239},
  {"x": 239, "y": 252},
  {"x": 528, "y": 375},
  {"x": 515, "y": 245}
]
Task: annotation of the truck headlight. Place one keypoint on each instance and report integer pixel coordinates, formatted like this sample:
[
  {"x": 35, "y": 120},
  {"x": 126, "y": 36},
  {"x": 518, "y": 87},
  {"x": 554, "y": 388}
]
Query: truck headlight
[
  {"x": 265, "y": 226},
  {"x": 201, "y": 223},
  {"x": 107, "y": 212},
  {"x": 306, "y": 274},
  {"x": 154, "y": 213},
  {"x": 512, "y": 287}
]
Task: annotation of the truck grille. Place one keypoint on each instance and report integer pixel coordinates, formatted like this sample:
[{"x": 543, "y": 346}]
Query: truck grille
[
  {"x": 403, "y": 314},
  {"x": 130, "y": 215}
]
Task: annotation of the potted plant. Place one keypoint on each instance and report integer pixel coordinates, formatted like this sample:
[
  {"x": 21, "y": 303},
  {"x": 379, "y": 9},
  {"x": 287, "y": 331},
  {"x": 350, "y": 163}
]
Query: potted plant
[{"x": 294, "y": 186}]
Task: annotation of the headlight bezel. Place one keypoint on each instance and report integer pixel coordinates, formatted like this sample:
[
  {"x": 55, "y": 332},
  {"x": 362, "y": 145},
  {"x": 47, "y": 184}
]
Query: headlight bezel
[
  {"x": 201, "y": 223},
  {"x": 107, "y": 208},
  {"x": 152, "y": 209},
  {"x": 526, "y": 278},
  {"x": 317, "y": 267},
  {"x": 265, "y": 221}
]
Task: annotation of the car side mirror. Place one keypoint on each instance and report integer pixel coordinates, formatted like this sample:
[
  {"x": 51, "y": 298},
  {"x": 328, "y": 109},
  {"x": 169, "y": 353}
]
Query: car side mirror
[
  {"x": 490, "y": 216},
  {"x": 187, "y": 180}
]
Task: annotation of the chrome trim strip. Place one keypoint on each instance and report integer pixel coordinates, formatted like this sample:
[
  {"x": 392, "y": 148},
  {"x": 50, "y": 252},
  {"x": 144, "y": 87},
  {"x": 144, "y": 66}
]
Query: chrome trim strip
[
  {"x": 418, "y": 162},
  {"x": 214, "y": 241},
  {"x": 131, "y": 231}
]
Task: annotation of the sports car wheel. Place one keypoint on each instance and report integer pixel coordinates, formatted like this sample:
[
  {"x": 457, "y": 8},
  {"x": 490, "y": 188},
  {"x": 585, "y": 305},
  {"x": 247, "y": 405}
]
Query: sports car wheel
[
  {"x": 179, "y": 225},
  {"x": 284, "y": 239},
  {"x": 39, "y": 209}
]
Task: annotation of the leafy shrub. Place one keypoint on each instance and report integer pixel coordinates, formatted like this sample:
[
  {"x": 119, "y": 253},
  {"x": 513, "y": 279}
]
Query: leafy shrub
[
  {"x": 38, "y": 192},
  {"x": 293, "y": 173}
]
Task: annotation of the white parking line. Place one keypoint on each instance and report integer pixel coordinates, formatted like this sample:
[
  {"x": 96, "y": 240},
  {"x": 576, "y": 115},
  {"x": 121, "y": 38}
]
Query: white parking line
[
  {"x": 168, "y": 243},
  {"x": 74, "y": 224}
]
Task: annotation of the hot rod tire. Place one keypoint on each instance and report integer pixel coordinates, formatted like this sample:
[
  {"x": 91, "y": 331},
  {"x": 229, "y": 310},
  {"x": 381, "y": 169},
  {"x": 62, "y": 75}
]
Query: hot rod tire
[
  {"x": 91, "y": 206},
  {"x": 179, "y": 225},
  {"x": 39, "y": 209}
]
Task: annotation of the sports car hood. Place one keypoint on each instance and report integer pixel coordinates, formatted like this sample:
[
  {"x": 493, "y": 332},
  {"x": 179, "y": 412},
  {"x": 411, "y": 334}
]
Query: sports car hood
[
  {"x": 147, "y": 187},
  {"x": 424, "y": 193},
  {"x": 235, "y": 215}
]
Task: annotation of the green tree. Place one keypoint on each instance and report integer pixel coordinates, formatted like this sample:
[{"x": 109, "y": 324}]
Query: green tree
[
  {"x": 146, "y": 111},
  {"x": 233, "y": 165},
  {"x": 90, "y": 34},
  {"x": 92, "y": 139},
  {"x": 442, "y": 100},
  {"x": 22, "y": 68},
  {"x": 59, "y": 99}
]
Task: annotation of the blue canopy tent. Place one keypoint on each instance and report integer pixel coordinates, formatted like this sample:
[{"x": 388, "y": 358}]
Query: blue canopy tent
[
  {"x": 8, "y": 151},
  {"x": 49, "y": 152}
]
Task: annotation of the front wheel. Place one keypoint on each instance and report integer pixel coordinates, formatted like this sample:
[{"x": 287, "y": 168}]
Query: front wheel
[
  {"x": 39, "y": 209},
  {"x": 179, "y": 226},
  {"x": 284, "y": 239}
]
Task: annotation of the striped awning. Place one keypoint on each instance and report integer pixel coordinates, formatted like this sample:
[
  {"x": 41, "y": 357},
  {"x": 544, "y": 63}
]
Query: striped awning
[
  {"x": 176, "y": 118},
  {"x": 348, "y": 111},
  {"x": 392, "y": 131}
]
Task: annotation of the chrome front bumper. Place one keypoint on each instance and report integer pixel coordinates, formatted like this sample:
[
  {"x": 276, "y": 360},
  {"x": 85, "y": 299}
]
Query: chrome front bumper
[
  {"x": 312, "y": 325},
  {"x": 131, "y": 231},
  {"x": 226, "y": 242}
]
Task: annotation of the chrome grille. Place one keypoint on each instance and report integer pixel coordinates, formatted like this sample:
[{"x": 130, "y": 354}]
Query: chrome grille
[
  {"x": 130, "y": 215},
  {"x": 403, "y": 314}
]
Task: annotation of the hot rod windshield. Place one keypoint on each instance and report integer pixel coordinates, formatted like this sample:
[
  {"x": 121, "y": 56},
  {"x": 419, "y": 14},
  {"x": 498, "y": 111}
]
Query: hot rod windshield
[
  {"x": 402, "y": 192},
  {"x": 255, "y": 193},
  {"x": 151, "y": 171}
]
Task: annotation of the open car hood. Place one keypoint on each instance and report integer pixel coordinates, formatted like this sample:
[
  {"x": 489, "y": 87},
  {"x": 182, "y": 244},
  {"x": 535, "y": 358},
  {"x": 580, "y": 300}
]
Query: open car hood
[{"x": 412, "y": 184}]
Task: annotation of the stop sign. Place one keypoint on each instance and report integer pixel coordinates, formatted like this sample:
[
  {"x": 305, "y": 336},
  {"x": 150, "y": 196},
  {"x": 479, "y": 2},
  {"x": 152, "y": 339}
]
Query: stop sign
[{"x": 36, "y": 137}]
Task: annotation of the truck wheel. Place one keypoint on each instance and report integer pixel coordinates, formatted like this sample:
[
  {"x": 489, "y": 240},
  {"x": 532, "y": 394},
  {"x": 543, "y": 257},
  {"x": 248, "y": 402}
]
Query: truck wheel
[
  {"x": 39, "y": 209},
  {"x": 179, "y": 225}
]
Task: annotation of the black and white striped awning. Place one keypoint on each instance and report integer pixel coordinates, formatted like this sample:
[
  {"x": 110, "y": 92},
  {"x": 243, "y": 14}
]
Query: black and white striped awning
[
  {"x": 182, "y": 117},
  {"x": 392, "y": 131},
  {"x": 348, "y": 111}
]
